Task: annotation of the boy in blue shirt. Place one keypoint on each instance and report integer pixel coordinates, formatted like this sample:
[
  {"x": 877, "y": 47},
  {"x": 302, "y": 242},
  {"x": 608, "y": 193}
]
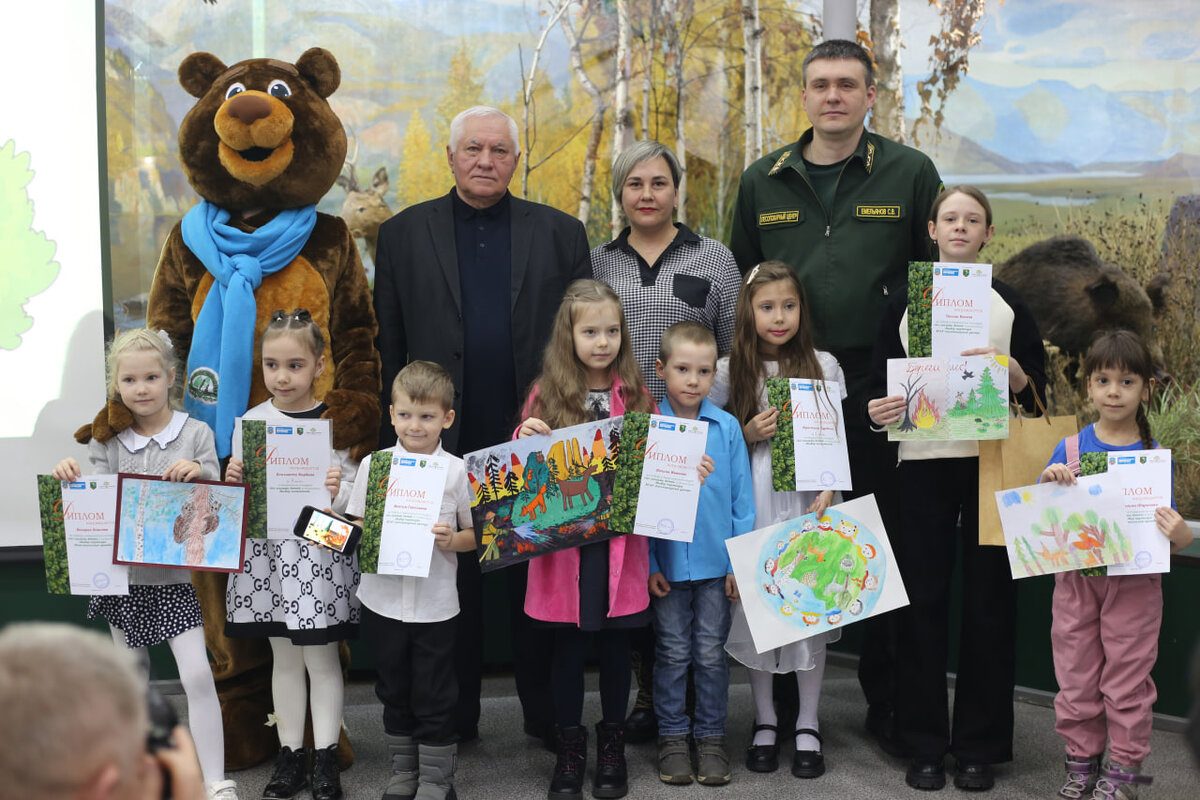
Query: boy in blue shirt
[{"x": 692, "y": 584}]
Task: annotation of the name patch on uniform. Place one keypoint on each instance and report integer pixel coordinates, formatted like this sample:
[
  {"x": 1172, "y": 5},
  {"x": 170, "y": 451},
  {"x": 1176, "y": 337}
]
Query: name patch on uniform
[
  {"x": 863, "y": 211},
  {"x": 778, "y": 217}
]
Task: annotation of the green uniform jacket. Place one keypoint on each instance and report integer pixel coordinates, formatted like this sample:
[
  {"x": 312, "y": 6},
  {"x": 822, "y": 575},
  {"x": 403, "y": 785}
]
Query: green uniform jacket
[{"x": 850, "y": 257}]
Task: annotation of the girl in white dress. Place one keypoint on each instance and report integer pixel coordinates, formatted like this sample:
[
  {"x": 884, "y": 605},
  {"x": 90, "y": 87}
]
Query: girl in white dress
[{"x": 773, "y": 338}]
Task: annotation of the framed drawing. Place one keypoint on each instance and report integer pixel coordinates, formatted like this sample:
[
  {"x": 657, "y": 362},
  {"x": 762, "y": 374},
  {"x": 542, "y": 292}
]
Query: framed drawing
[{"x": 199, "y": 525}]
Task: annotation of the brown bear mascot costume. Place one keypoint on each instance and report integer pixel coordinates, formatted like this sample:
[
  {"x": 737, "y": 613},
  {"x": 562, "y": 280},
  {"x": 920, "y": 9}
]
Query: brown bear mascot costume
[{"x": 261, "y": 147}]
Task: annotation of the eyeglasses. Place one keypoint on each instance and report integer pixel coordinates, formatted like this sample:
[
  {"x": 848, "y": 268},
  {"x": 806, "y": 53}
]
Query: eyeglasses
[{"x": 300, "y": 315}]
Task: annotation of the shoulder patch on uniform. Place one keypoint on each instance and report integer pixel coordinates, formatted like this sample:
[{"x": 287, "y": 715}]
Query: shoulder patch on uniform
[
  {"x": 877, "y": 211},
  {"x": 789, "y": 215},
  {"x": 870, "y": 156},
  {"x": 779, "y": 163}
]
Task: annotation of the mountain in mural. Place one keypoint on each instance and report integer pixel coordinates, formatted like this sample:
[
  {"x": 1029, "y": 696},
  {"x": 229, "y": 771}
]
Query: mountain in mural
[{"x": 1053, "y": 121}]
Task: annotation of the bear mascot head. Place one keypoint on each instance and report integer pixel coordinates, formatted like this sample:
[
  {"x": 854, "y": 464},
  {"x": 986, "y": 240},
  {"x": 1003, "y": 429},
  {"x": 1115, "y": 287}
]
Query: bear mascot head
[{"x": 261, "y": 146}]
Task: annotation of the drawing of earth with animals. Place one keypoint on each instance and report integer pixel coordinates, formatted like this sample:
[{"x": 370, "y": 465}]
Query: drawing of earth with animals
[{"x": 821, "y": 572}]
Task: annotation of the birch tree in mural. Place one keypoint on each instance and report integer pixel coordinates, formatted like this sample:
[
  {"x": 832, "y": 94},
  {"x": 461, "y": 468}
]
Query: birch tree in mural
[
  {"x": 675, "y": 14},
  {"x": 752, "y": 36},
  {"x": 558, "y": 9},
  {"x": 622, "y": 114},
  {"x": 961, "y": 21},
  {"x": 887, "y": 117},
  {"x": 587, "y": 182}
]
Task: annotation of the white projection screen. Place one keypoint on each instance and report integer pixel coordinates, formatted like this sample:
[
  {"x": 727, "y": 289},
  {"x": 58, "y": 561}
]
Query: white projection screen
[{"x": 51, "y": 296}]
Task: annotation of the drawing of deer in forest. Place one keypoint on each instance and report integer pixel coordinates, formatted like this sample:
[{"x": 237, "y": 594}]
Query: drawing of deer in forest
[
  {"x": 573, "y": 487},
  {"x": 197, "y": 518}
]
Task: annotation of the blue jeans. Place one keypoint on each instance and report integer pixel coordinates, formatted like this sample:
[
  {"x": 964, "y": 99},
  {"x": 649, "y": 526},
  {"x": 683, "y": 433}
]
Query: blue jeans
[{"x": 691, "y": 623}]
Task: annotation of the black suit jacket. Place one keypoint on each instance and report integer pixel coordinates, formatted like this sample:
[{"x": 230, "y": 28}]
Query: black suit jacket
[{"x": 418, "y": 300}]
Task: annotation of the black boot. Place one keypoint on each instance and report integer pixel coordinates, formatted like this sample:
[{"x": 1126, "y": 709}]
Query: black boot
[
  {"x": 572, "y": 760},
  {"x": 290, "y": 774},
  {"x": 612, "y": 778},
  {"x": 326, "y": 783}
]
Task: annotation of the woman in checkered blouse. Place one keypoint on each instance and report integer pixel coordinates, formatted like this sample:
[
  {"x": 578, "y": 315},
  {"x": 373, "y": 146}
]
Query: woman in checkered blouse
[{"x": 663, "y": 272}]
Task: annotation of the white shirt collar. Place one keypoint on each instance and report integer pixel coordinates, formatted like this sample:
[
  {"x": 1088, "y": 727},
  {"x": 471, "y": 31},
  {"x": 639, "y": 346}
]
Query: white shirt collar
[{"x": 134, "y": 441}]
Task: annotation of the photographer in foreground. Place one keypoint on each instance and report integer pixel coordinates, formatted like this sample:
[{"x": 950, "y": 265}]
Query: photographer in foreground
[{"x": 76, "y": 710}]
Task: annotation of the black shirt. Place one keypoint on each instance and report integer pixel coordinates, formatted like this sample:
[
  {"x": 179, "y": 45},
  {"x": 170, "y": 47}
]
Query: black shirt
[{"x": 483, "y": 239}]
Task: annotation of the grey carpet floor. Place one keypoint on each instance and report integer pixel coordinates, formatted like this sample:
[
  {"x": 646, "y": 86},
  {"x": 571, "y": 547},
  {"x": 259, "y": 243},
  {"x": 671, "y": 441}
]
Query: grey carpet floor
[{"x": 504, "y": 764}]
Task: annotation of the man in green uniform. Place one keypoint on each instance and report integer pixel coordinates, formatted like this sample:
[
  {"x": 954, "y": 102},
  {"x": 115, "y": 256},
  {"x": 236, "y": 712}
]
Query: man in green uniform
[{"x": 847, "y": 210}]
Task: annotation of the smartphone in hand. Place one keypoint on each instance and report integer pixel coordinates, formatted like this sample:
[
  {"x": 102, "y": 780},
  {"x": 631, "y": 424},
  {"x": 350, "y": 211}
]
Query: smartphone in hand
[{"x": 327, "y": 531}]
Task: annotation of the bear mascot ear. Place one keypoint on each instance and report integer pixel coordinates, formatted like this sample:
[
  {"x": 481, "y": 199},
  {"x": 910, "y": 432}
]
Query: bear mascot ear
[
  {"x": 318, "y": 66},
  {"x": 198, "y": 71}
]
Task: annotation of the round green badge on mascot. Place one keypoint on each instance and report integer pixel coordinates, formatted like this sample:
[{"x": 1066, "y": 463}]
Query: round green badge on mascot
[{"x": 261, "y": 147}]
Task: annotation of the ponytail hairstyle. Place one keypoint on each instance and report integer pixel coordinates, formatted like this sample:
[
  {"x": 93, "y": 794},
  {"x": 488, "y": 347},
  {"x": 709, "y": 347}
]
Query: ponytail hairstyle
[
  {"x": 300, "y": 324},
  {"x": 143, "y": 339},
  {"x": 797, "y": 357},
  {"x": 562, "y": 386},
  {"x": 1125, "y": 351}
]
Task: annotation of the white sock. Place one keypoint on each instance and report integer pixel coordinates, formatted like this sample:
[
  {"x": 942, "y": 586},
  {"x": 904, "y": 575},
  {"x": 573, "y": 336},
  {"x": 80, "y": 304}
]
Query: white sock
[
  {"x": 288, "y": 691},
  {"x": 325, "y": 697},
  {"x": 808, "y": 686},
  {"x": 762, "y": 690},
  {"x": 204, "y": 710}
]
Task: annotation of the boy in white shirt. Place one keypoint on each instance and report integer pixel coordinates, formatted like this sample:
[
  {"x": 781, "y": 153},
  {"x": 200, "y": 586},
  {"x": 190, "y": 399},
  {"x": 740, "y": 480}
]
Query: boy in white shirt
[{"x": 408, "y": 621}]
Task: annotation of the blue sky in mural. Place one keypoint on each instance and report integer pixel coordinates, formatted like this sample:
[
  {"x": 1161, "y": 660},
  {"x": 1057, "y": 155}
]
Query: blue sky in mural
[{"x": 1084, "y": 82}]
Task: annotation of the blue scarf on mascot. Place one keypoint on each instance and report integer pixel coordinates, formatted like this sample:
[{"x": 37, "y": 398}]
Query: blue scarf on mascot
[{"x": 221, "y": 360}]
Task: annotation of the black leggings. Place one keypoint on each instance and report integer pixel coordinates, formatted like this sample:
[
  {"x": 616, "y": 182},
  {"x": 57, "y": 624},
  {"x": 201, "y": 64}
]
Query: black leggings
[{"x": 566, "y": 673}]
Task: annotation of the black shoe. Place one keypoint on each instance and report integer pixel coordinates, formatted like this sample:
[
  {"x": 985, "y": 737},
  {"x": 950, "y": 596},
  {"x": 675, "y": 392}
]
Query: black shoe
[
  {"x": 926, "y": 773},
  {"x": 809, "y": 763},
  {"x": 290, "y": 774},
  {"x": 468, "y": 734},
  {"x": 763, "y": 757},
  {"x": 326, "y": 784},
  {"x": 881, "y": 725},
  {"x": 612, "y": 776},
  {"x": 973, "y": 776},
  {"x": 641, "y": 726},
  {"x": 571, "y": 744}
]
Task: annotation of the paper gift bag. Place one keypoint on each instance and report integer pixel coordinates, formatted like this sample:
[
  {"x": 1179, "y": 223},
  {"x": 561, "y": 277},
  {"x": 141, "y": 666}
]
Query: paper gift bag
[{"x": 1016, "y": 461}]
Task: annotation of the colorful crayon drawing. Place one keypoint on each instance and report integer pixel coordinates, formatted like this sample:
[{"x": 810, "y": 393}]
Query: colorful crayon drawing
[
  {"x": 539, "y": 494},
  {"x": 199, "y": 525},
  {"x": 1051, "y": 528},
  {"x": 950, "y": 398},
  {"x": 809, "y": 575}
]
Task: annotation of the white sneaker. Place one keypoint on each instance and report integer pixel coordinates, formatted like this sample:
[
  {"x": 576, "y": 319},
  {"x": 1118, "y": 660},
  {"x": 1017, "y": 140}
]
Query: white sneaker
[{"x": 223, "y": 790}]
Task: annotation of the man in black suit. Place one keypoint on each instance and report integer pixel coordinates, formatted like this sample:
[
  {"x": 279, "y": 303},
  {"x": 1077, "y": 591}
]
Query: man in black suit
[{"x": 443, "y": 272}]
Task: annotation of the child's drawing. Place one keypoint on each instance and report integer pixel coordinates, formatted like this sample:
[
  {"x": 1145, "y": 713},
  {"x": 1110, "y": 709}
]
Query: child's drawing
[
  {"x": 954, "y": 398},
  {"x": 198, "y": 525},
  {"x": 1052, "y": 528},
  {"x": 809, "y": 575},
  {"x": 539, "y": 494}
]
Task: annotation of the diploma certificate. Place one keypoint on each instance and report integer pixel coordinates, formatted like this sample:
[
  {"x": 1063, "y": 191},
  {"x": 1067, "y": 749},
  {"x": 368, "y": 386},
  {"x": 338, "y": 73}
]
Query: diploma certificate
[
  {"x": 1146, "y": 475},
  {"x": 670, "y": 489},
  {"x": 84, "y": 520},
  {"x": 818, "y": 436},
  {"x": 412, "y": 505},
  {"x": 296, "y": 459}
]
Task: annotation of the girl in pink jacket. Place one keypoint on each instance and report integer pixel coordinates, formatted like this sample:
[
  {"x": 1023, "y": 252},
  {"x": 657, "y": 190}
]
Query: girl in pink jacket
[{"x": 597, "y": 591}]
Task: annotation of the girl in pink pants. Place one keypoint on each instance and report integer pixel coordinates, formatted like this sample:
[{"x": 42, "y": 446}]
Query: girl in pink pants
[{"x": 1105, "y": 629}]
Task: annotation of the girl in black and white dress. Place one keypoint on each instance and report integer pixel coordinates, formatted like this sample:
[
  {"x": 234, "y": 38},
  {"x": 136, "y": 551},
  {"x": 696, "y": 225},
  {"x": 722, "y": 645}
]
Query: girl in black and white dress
[{"x": 302, "y": 596}]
